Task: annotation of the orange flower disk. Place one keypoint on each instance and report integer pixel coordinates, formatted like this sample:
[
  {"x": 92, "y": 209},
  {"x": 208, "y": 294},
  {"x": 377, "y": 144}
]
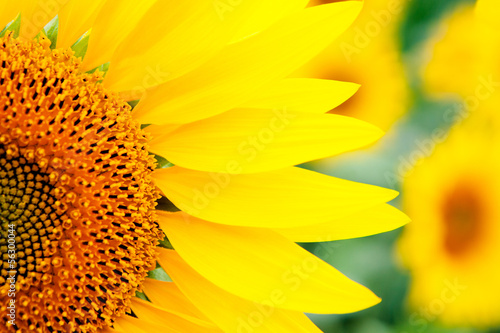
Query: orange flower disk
[{"x": 75, "y": 185}]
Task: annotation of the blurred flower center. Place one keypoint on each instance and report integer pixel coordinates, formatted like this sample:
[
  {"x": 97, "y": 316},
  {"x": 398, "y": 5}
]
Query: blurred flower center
[{"x": 463, "y": 215}]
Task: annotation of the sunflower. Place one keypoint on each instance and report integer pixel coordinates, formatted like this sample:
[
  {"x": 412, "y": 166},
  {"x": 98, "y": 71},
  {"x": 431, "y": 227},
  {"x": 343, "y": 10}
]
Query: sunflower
[
  {"x": 464, "y": 43},
  {"x": 367, "y": 52},
  {"x": 452, "y": 246},
  {"x": 142, "y": 133}
]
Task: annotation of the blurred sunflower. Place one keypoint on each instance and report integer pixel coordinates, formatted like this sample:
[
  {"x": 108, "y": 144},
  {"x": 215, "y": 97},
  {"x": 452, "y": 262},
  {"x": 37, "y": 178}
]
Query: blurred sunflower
[
  {"x": 452, "y": 245},
  {"x": 464, "y": 43},
  {"x": 80, "y": 181},
  {"x": 363, "y": 55}
]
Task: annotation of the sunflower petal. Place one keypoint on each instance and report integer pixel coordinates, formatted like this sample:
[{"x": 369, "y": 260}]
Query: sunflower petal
[
  {"x": 229, "y": 312},
  {"x": 262, "y": 140},
  {"x": 158, "y": 131},
  {"x": 156, "y": 315},
  {"x": 76, "y": 18},
  {"x": 372, "y": 221},
  {"x": 128, "y": 324},
  {"x": 284, "y": 198},
  {"x": 114, "y": 23},
  {"x": 192, "y": 32},
  {"x": 303, "y": 95},
  {"x": 35, "y": 14},
  {"x": 111, "y": 330},
  {"x": 269, "y": 12},
  {"x": 252, "y": 263},
  {"x": 168, "y": 296},
  {"x": 8, "y": 12},
  {"x": 233, "y": 76},
  {"x": 487, "y": 12}
]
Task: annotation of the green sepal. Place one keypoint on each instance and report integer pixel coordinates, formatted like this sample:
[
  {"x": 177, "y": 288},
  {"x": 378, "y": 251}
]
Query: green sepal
[
  {"x": 142, "y": 296},
  {"x": 51, "y": 30},
  {"x": 133, "y": 104},
  {"x": 166, "y": 205},
  {"x": 162, "y": 162},
  {"x": 102, "y": 68},
  {"x": 159, "y": 274},
  {"x": 81, "y": 45},
  {"x": 165, "y": 243},
  {"x": 14, "y": 26}
]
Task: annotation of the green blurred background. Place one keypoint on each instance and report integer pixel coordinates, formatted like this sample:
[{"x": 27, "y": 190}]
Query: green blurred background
[{"x": 372, "y": 260}]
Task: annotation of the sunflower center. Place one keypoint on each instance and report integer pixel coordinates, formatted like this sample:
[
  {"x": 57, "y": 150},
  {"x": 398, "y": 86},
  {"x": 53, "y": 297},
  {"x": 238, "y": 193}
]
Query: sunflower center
[
  {"x": 463, "y": 215},
  {"x": 78, "y": 231}
]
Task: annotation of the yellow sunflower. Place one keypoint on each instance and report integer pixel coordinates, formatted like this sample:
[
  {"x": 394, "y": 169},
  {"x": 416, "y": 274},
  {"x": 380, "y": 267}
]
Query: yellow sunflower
[
  {"x": 464, "y": 53},
  {"x": 84, "y": 187},
  {"x": 452, "y": 247},
  {"x": 364, "y": 54}
]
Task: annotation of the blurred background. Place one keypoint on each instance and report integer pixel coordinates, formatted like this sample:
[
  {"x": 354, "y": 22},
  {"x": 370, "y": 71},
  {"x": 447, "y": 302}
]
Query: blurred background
[{"x": 424, "y": 66}]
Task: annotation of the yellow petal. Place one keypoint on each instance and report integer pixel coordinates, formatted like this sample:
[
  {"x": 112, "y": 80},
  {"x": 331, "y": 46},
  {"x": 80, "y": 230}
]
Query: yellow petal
[
  {"x": 147, "y": 58},
  {"x": 76, "y": 18},
  {"x": 269, "y": 12},
  {"x": 283, "y": 198},
  {"x": 191, "y": 33},
  {"x": 252, "y": 263},
  {"x": 231, "y": 77},
  {"x": 8, "y": 12},
  {"x": 169, "y": 297},
  {"x": 156, "y": 315},
  {"x": 261, "y": 140},
  {"x": 128, "y": 324},
  {"x": 487, "y": 12},
  {"x": 35, "y": 14},
  {"x": 158, "y": 131},
  {"x": 114, "y": 23},
  {"x": 232, "y": 313},
  {"x": 111, "y": 330},
  {"x": 372, "y": 221},
  {"x": 303, "y": 95}
]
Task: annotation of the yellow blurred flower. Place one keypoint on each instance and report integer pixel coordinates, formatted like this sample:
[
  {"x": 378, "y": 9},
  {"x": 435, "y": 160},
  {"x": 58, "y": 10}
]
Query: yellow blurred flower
[
  {"x": 79, "y": 181},
  {"x": 451, "y": 248},
  {"x": 464, "y": 54},
  {"x": 364, "y": 54}
]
